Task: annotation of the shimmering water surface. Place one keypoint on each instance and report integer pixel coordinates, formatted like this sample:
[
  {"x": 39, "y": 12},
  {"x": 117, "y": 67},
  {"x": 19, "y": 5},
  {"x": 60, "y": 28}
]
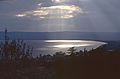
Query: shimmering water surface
[{"x": 52, "y": 46}]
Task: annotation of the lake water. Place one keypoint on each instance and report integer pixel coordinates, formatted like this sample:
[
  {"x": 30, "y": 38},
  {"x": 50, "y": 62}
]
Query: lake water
[{"x": 45, "y": 47}]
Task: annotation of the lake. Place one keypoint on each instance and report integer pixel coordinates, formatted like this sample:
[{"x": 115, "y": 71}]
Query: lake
[{"x": 45, "y": 47}]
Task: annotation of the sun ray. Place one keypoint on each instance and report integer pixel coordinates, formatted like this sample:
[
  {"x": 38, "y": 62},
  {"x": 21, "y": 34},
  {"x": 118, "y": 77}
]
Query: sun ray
[{"x": 53, "y": 12}]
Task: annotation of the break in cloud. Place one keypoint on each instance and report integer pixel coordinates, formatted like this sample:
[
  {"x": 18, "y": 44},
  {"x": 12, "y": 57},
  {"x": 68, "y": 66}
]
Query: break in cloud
[
  {"x": 59, "y": 11},
  {"x": 52, "y": 12}
]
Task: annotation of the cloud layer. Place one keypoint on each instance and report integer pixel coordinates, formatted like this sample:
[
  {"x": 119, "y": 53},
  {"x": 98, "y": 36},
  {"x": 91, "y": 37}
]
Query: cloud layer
[{"x": 52, "y": 12}]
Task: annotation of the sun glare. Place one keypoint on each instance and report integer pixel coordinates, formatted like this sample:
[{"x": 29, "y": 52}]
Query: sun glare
[
  {"x": 67, "y": 41},
  {"x": 71, "y": 45},
  {"x": 56, "y": 1},
  {"x": 21, "y": 15}
]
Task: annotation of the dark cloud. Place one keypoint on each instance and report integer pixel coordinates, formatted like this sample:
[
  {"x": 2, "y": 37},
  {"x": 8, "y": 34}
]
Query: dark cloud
[
  {"x": 5, "y": 0},
  {"x": 2, "y": 0}
]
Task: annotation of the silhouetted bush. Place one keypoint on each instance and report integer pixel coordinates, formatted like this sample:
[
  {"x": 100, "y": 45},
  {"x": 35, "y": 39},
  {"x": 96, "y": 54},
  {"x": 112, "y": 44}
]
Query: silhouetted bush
[{"x": 14, "y": 50}]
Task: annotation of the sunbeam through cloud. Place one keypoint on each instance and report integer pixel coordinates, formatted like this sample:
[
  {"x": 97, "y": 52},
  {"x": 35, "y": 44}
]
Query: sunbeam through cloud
[{"x": 53, "y": 12}]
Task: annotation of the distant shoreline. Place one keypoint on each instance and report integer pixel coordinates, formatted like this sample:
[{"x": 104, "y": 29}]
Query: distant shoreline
[{"x": 95, "y": 36}]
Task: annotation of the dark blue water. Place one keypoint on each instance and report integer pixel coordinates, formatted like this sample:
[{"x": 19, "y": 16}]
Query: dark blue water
[{"x": 101, "y": 36}]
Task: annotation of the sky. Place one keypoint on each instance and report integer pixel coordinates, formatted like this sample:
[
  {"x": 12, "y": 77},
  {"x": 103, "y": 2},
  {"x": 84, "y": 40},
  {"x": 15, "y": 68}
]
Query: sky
[{"x": 60, "y": 15}]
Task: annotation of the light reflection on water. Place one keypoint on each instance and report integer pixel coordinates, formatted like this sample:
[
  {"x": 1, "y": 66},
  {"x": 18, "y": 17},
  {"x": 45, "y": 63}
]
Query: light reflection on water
[{"x": 51, "y": 46}]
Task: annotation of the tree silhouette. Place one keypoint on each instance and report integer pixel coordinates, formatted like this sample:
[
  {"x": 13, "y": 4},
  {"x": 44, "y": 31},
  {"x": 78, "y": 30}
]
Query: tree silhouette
[
  {"x": 59, "y": 54},
  {"x": 71, "y": 51}
]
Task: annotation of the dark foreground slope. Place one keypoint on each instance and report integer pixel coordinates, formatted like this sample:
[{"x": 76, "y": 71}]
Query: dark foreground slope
[
  {"x": 95, "y": 64},
  {"x": 89, "y": 67}
]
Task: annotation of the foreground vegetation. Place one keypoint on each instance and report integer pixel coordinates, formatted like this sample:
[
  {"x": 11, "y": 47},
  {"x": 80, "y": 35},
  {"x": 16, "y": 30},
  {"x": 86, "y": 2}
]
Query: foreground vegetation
[{"x": 17, "y": 62}]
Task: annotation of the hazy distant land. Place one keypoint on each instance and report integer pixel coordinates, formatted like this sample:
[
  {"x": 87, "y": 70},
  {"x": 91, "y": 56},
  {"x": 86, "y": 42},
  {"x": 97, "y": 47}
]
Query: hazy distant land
[{"x": 100, "y": 36}]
